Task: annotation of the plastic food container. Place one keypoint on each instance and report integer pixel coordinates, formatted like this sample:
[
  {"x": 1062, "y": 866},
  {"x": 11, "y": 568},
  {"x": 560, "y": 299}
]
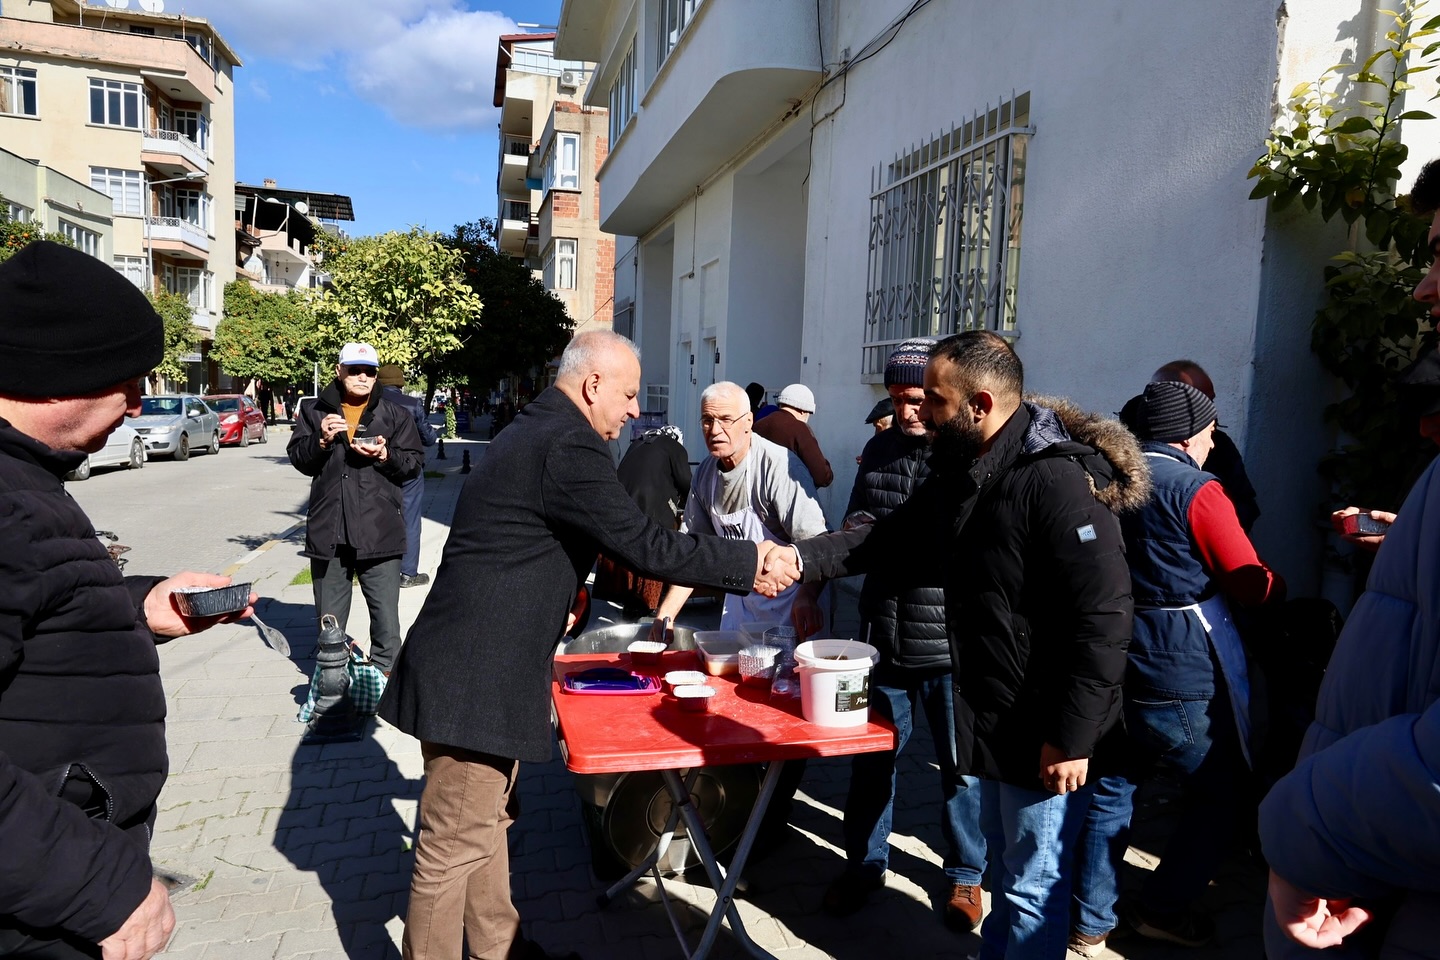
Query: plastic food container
[
  {"x": 720, "y": 650},
  {"x": 211, "y": 601},
  {"x": 758, "y": 663},
  {"x": 755, "y": 632},
  {"x": 694, "y": 698},
  {"x": 681, "y": 678},
  {"x": 646, "y": 651}
]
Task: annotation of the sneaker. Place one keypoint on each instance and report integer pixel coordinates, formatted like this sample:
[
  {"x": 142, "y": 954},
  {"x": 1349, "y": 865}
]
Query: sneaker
[
  {"x": 419, "y": 580},
  {"x": 1187, "y": 928},
  {"x": 1087, "y": 945},
  {"x": 963, "y": 911},
  {"x": 850, "y": 891}
]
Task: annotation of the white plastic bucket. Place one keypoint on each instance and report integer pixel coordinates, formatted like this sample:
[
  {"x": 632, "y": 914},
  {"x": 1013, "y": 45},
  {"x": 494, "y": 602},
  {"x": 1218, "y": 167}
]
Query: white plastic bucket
[{"x": 835, "y": 693}]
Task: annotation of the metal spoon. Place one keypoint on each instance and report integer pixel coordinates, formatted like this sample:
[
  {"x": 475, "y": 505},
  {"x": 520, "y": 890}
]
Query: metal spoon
[{"x": 273, "y": 638}]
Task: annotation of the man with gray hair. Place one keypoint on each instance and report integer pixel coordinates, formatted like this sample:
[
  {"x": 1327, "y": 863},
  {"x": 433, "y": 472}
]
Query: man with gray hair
[{"x": 472, "y": 681}]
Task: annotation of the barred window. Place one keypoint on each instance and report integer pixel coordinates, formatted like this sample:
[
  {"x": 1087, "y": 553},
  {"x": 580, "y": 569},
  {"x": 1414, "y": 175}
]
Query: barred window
[{"x": 945, "y": 235}]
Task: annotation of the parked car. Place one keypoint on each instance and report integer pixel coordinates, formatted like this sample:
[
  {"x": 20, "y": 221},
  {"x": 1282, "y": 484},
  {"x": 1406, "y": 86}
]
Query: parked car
[
  {"x": 240, "y": 419},
  {"x": 172, "y": 426},
  {"x": 124, "y": 448}
]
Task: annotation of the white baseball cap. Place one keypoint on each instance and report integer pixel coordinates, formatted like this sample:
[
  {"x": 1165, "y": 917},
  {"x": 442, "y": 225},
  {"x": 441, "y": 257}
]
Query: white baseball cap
[
  {"x": 359, "y": 354},
  {"x": 797, "y": 395}
]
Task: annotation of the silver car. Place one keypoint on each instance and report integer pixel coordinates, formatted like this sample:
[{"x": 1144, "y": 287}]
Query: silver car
[
  {"x": 123, "y": 448},
  {"x": 173, "y": 426}
]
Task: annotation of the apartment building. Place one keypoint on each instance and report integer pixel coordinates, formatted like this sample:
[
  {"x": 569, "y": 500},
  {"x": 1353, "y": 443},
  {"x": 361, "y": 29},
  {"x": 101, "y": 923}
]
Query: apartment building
[
  {"x": 275, "y": 232},
  {"x": 139, "y": 104},
  {"x": 551, "y": 146},
  {"x": 54, "y": 203}
]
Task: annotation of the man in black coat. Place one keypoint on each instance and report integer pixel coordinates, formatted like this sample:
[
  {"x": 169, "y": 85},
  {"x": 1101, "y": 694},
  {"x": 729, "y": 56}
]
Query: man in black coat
[
  {"x": 412, "y": 492},
  {"x": 358, "y": 449},
  {"x": 473, "y": 680},
  {"x": 82, "y": 709},
  {"x": 1018, "y": 514}
]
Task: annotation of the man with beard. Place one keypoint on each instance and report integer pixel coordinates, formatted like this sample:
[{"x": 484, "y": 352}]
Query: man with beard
[
  {"x": 1017, "y": 515},
  {"x": 902, "y": 614}
]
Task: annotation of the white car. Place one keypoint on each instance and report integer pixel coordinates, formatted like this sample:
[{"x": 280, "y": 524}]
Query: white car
[{"x": 123, "y": 448}]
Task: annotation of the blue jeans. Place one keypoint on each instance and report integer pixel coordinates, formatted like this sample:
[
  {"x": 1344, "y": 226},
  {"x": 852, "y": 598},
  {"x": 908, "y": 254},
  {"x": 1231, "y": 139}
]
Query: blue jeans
[
  {"x": 412, "y": 491},
  {"x": 1195, "y": 741},
  {"x": 870, "y": 804},
  {"x": 1032, "y": 836}
]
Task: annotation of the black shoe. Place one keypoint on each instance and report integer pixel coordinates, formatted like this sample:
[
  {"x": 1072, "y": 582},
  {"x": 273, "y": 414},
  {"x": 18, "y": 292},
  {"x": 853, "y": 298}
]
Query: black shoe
[
  {"x": 419, "y": 580},
  {"x": 1187, "y": 929},
  {"x": 850, "y": 891}
]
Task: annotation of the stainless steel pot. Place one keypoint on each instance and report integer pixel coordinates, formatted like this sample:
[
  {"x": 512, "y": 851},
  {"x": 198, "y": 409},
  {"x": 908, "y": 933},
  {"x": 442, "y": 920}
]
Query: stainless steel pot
[{"x": 617, "y": 638}]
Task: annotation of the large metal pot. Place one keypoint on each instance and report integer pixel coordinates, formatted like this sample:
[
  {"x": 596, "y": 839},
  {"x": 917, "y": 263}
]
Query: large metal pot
[{"x": 628, "y": 830}]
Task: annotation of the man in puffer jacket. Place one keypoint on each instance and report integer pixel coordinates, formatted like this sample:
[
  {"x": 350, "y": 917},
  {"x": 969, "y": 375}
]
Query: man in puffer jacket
[
  {"x": 902, "y": 614},
  {"x": 1352, "y": 834},
  {"x": 82, "y": 710},
  {"x": 1018, "y": 515}
]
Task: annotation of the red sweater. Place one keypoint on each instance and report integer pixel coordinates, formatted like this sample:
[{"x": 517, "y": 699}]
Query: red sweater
[{"x": 1228, "y": 553}]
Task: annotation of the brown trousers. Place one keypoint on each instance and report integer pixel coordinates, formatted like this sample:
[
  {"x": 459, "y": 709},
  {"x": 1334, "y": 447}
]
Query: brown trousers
[{"x": 461, "y": 885}]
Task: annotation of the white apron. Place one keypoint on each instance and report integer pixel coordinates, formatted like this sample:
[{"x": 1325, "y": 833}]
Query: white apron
[{"x": 745, "y": 525}]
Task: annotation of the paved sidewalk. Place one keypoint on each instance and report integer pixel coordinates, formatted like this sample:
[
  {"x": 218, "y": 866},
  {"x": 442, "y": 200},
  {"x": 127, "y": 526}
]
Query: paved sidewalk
[{"x": 288, "y": 851}]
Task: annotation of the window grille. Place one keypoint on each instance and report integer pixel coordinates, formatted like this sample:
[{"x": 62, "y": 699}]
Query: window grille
[{"x": 945, "y": 234}]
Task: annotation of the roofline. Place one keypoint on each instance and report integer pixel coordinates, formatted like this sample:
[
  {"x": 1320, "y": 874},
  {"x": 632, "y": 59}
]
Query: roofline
[{"x": 75, "y": 6}]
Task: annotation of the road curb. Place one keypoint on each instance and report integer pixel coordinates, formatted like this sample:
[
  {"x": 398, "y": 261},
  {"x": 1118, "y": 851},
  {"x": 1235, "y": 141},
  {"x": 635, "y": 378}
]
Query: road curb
[{"x": 234, "y": 567}]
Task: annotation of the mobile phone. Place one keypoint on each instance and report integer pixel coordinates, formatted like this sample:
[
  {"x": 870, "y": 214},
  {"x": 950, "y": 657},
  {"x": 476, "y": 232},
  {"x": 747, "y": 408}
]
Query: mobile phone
[{"x": 1364, "y": 525}]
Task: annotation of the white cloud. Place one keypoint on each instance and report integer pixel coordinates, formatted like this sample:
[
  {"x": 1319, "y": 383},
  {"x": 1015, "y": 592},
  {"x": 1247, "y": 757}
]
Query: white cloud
[{"x": 427, "y": 63}]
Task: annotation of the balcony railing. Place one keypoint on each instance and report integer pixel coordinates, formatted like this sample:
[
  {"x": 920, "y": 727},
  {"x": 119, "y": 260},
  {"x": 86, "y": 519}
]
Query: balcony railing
[
  {"x": 174, "y": 228},
  {"x": 515, "y": 210},
  {"x": 543, "y": 63},
  {"x": 516, "y": 147},
  {"x": 173, "y": 141}
]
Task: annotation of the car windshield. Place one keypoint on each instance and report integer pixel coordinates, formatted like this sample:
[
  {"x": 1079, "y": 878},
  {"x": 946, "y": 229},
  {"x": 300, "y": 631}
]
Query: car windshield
[
  {"x": 225, "y": 404},
  {"x": 159, "y": 406}
]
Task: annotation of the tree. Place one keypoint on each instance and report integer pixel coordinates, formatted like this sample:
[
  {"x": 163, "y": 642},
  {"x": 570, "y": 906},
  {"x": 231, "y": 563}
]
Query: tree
[
  {"x": 269, "y": 336},
  {"x": 403, "y": 293},
  {"x": 181, "y": 336},
  {"x": 524, "y": 325}
]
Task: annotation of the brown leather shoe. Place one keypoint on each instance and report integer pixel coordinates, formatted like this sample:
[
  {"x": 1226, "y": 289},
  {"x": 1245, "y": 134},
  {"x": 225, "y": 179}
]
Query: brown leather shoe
[{"x": 964, "y": 910}]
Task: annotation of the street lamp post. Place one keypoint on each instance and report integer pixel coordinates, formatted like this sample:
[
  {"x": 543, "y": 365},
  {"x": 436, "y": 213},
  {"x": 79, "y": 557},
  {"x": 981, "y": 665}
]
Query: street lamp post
[{"x": 149, "y": 251}]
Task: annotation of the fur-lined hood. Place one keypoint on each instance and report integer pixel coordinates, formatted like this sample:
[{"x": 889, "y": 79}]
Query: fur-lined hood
[{"x": 1056, "y": 419}]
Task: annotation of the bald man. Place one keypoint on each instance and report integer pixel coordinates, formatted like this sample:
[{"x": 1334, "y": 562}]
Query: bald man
[{"x": 472, "y": 681}]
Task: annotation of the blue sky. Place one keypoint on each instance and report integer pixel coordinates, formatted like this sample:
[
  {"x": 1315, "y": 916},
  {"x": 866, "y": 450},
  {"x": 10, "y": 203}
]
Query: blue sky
[{"x": 386, "y": 101}]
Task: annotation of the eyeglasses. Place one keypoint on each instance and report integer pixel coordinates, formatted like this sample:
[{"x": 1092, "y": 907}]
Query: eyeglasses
[
  {"x": 725, "y": 423},
  {"x": 370, "y": 372}
]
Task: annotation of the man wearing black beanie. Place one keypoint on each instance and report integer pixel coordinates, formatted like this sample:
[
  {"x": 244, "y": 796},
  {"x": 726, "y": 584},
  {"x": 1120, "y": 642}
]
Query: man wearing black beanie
[{"x": 82, "y": 709}]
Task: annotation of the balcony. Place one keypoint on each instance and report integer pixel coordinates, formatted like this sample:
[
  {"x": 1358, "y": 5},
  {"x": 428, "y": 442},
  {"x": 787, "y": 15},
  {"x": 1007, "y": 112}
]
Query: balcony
[
  {"x": 177, "y": 236},
  {"x": 173, "y": 153},
  {"x": 514, "y": 164},
  {"x": 516, "y": 226},
  {"x": 168, "y": 62},
  {"x": 279, "y": 246},
  {"x": 687, "y": 125}
]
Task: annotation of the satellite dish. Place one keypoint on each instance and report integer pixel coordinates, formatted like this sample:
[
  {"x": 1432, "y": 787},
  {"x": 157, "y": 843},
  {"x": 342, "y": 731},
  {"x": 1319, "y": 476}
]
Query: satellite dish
[
  {"x": 152, "y": 6},
  {"x": 117, "y": 4},
  {"x": 301, "y": 207}
]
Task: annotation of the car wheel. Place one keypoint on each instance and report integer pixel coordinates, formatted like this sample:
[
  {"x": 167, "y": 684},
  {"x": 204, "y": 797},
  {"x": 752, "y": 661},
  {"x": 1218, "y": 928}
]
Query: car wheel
[
  {"x": 244, "y": 436},
  {"x": 81, "y": 472},
  {"x": 182, "y": 451},
  {"x": 214, "y": 443},
  {"x": 264, "y": 437},
  {"x": 137, "y": 455}
]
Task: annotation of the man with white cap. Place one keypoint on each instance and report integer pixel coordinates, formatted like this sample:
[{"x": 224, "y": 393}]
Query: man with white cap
[
  {"x": 792, "y": 431},
  {"x": 359, "y": 449}
]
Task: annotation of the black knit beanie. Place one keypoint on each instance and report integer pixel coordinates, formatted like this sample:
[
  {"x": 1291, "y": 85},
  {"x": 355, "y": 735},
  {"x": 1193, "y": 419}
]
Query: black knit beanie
[
  {"x": 71, "y": 325},
  {"x": 1168, "y": 411},
  {"x": 906, "y": 365}
]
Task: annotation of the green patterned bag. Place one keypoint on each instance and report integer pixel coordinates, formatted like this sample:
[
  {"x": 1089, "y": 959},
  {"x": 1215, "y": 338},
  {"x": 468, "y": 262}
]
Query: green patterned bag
[{"x": 367, "y": 686}]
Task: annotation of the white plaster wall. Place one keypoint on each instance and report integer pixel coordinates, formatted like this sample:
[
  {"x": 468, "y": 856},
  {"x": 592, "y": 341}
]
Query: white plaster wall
[{"x": 1138, "y": 243}]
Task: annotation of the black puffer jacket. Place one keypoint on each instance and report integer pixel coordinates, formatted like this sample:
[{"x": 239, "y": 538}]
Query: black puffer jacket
[
  {"x": 902, "y": 604},
  {"x": 82, "y": 711},
  {"x": 355, "y": 500},
  {"x": 1037, "y": 591}
]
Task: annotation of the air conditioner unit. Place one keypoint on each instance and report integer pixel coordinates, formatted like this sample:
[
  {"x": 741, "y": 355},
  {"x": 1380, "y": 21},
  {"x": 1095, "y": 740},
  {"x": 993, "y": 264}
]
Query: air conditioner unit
[{"x": 569, "y": 79}]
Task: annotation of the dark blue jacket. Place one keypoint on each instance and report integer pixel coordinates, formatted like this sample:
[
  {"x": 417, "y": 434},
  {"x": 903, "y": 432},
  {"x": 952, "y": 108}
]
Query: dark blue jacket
[{"x": 1169, "y": 651}]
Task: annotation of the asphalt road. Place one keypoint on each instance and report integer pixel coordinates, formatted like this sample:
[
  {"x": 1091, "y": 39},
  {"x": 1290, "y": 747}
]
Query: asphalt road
[{"x": 200, "y": 514}]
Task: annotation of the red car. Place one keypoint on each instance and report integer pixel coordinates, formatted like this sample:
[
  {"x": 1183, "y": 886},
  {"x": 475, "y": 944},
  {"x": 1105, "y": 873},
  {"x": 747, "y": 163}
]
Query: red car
[{"x": 240, "y": 420}]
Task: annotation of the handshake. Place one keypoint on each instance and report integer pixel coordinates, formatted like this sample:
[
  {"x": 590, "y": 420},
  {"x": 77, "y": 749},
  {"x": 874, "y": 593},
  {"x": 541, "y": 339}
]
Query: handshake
[{"x": 777, "y": 567}]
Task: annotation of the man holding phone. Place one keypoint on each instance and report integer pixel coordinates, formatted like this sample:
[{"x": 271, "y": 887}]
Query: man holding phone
[{"x": 359, "y": 449}]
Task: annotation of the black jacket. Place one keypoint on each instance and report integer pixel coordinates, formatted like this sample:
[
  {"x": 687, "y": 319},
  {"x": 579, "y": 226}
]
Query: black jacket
[
  {"x": 902, "y": 603},
  {"x": 416, "y": 408},
  {"x": 355, "y": 500},
  {"x": 656, "y": 473},
  {"x": 539, "y": 507},
  {"x": 82, "y": 711},
  {"x": 1037, "y": 592}
]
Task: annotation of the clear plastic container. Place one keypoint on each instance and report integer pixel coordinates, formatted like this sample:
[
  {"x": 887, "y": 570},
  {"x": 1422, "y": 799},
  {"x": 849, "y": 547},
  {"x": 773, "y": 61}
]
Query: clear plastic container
[{"x": 720, "y": 650}]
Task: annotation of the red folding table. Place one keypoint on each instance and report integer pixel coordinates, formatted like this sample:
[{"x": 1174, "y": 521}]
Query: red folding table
[{"x": 619, "y": 734}]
